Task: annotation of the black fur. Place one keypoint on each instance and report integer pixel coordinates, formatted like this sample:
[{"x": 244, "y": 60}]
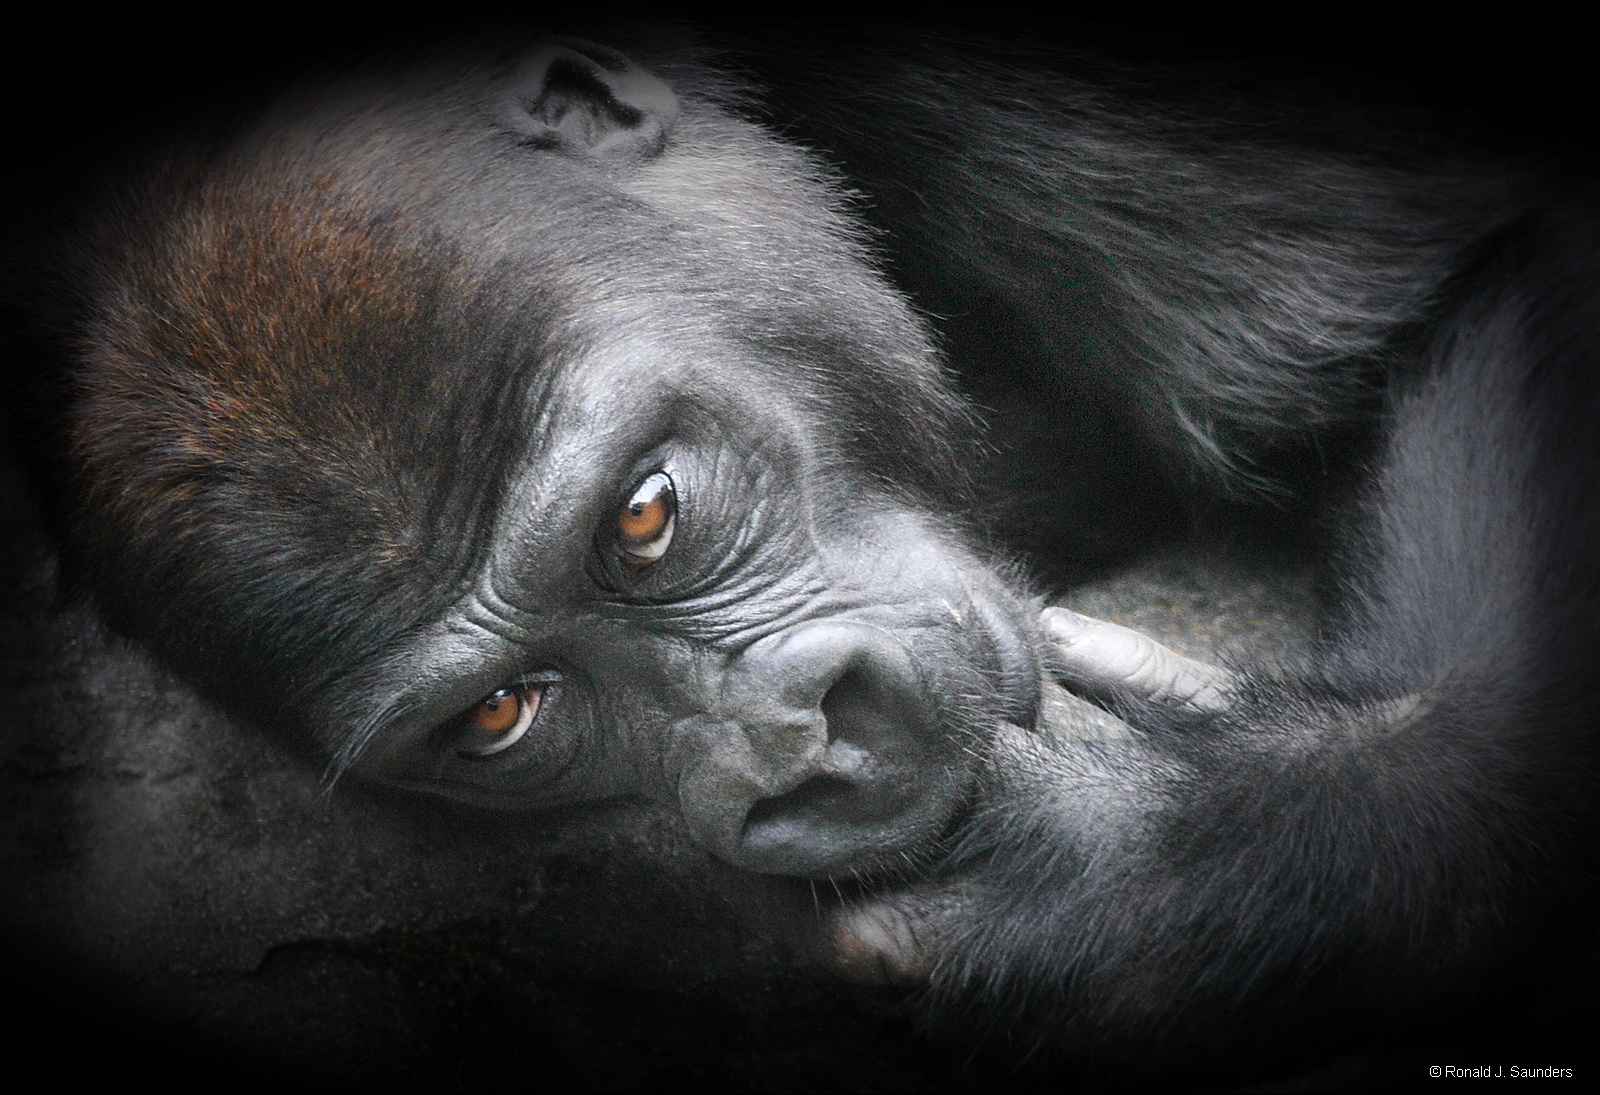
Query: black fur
[
  {"x": 1392, "y": 827},
  {"x": 337, "y": 451},
  {"x": 1400, "y": 822}
]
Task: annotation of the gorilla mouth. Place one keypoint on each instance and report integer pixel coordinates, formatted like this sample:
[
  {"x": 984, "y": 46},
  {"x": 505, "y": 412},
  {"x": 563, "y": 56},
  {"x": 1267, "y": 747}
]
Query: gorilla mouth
[{"x": 818, "y": 797}]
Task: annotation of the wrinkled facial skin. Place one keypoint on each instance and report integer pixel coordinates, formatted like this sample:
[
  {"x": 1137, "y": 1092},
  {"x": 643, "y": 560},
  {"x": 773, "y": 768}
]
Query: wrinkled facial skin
[
  {"x": 808, "y": 672},
  {"x": 523, "y": 433}
]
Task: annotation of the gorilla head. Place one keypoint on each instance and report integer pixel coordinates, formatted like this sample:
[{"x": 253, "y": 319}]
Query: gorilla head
[
  {"x": 534, "y": 427},
  {"x": 531, "y": 432}
]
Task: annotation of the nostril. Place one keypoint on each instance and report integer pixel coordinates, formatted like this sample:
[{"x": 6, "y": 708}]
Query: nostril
[{"x": 857, "y": 712}]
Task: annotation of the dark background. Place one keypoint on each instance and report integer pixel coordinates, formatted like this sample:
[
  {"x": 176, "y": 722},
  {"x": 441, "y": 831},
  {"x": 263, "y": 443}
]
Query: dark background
[{"x": 181, "y": 901}]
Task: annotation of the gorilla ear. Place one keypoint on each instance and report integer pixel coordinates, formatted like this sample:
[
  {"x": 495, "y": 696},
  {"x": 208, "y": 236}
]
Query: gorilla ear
[{"x": 586, "y": 100}]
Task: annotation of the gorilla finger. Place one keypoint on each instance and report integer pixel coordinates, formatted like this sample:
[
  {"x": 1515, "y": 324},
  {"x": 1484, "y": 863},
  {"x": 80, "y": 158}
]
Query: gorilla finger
[
  {"x": 1100, "y": 658},
  {"x": 878, "y": 940}
]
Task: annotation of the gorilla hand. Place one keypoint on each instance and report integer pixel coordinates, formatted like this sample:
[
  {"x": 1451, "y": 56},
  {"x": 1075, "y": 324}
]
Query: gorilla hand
[{"x": 895, "y": 937}]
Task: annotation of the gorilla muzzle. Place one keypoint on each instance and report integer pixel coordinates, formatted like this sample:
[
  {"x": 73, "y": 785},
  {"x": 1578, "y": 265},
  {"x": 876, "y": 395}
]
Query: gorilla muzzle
[{"x": 825, "y": 754}]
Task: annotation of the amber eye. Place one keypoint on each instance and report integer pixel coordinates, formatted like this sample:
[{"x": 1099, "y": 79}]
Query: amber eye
[
  {"x": 499, "y": 721},
  {"x": 644, "y": 524}
]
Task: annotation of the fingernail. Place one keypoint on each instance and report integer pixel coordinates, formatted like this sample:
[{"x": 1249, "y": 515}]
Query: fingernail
[{"x": 1064, "y": 625}]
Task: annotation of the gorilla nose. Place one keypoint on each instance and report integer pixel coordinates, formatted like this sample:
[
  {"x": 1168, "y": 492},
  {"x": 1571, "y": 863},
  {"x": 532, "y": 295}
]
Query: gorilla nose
[{"x": 827, "y": 755}]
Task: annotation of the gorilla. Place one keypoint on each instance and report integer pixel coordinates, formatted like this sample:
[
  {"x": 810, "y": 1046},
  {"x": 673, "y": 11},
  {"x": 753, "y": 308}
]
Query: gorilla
[{"x": 531, "y": 422}]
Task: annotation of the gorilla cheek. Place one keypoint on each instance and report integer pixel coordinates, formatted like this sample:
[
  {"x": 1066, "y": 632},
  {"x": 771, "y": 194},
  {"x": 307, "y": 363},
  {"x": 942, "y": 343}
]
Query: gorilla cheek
[{"x": 827, "y": 753}]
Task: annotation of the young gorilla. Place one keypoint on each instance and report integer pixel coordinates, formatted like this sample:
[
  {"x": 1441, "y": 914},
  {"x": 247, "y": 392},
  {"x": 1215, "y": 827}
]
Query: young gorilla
[{"x": 538, "y": 428}]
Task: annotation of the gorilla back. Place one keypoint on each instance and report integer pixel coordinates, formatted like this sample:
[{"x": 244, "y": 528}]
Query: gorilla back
[{"x": 533, "y": 426}]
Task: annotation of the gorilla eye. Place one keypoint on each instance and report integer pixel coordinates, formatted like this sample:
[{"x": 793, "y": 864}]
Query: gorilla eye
[
  {"x": 645, "y": 522},
  {"x": 499, "y": 721}
]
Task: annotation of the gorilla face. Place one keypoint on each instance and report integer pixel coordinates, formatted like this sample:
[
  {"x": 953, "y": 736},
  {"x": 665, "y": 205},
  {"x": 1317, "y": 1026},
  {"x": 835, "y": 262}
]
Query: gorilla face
[
  {"x": 516, "y": 452},
  {"x": 683, "y": 597},
  {"x": 670, "y": 616},
  {"x": 527, "y": 428}
]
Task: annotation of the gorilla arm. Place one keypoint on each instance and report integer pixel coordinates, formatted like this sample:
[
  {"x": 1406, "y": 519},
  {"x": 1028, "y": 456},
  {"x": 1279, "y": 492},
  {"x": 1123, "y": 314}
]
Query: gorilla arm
[
  {"x": 1382, "y": 827},
  {"x": 1389, "y": 829}
]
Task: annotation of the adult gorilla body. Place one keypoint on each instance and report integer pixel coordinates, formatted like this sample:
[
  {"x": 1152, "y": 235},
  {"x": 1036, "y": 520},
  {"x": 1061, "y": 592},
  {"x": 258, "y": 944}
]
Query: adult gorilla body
[{"x": 555, "y": 386}]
